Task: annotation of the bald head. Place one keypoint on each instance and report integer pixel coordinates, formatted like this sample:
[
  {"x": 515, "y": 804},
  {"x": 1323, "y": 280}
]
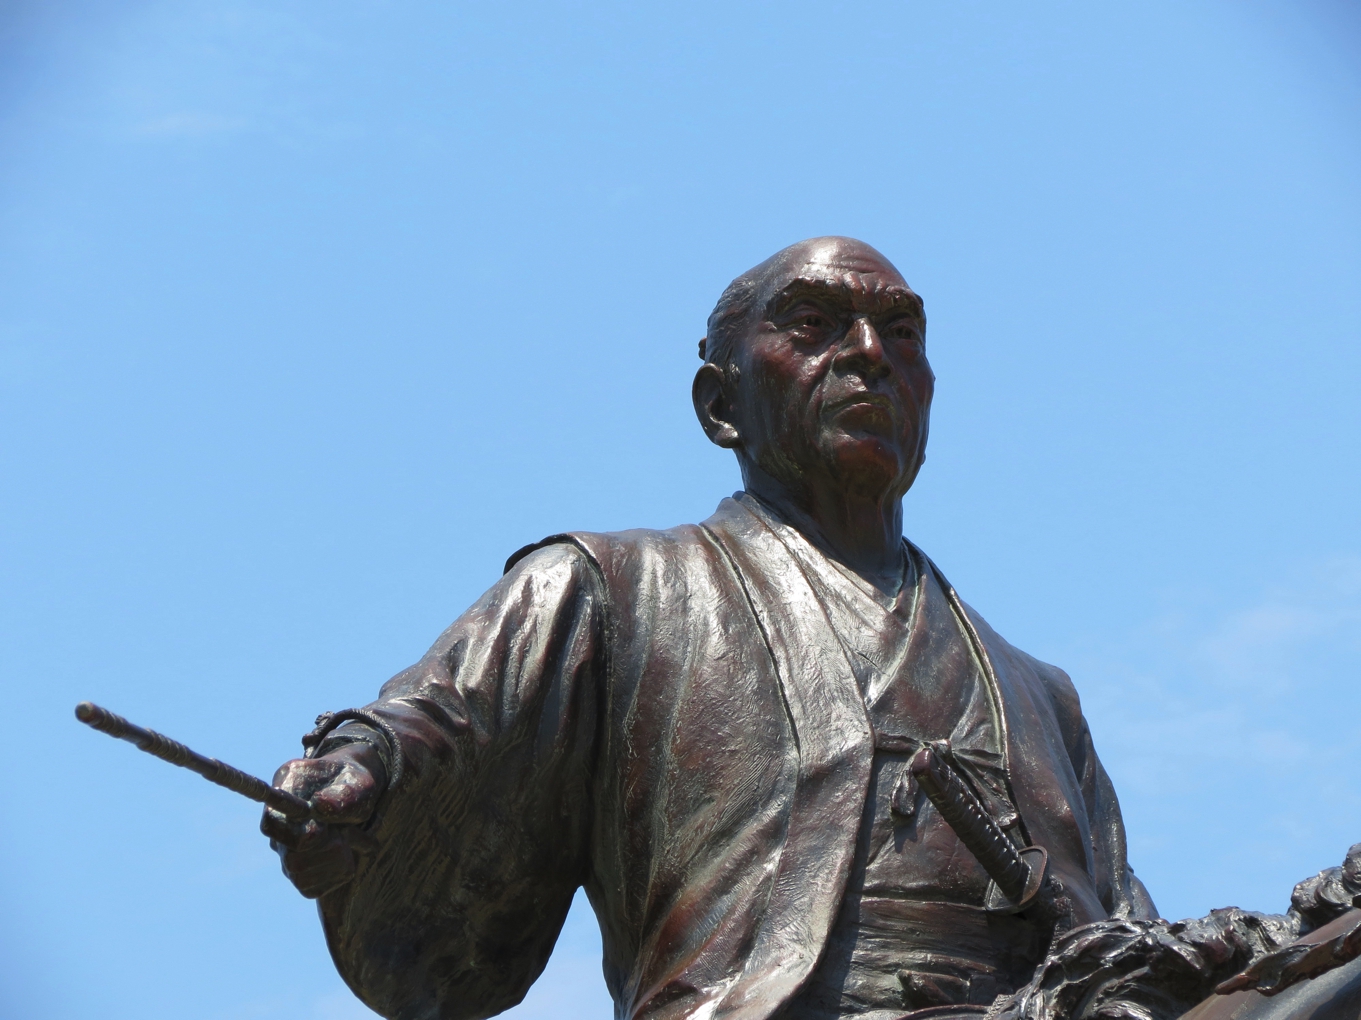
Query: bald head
[
  {"x": 840, "y": 262},
  {"x": 816, "y": 377}
]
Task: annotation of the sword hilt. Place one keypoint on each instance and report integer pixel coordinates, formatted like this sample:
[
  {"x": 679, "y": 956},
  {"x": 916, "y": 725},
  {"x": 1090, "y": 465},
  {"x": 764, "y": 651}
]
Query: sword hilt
[{"x": 1017, "y": 874}]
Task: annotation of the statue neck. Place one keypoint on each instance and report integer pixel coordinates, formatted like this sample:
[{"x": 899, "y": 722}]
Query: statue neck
[{"x": 863, "y": 533}]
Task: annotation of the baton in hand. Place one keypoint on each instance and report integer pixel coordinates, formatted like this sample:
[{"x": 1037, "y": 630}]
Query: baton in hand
[{"x": 291, "y": 806}]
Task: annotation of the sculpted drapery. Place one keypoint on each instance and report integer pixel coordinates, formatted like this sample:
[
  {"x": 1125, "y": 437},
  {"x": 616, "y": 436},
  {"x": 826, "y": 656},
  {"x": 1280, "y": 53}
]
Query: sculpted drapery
[
  {"x": 709, "y": 729},
  {"x": 669, "y": 719}
]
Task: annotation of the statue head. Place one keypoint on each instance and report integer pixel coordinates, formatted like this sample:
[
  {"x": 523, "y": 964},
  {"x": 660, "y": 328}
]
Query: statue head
[{"x": 815, "y": 371}]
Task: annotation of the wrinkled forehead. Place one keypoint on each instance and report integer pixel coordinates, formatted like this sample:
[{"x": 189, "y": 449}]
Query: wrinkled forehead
[{"x": 862, "y": 280}]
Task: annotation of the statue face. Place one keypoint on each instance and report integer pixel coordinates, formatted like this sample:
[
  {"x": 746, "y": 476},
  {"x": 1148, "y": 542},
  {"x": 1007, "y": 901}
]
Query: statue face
[{"x": 833, "y": 385}]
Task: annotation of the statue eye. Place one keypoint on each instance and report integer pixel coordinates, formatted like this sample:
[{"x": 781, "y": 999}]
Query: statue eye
[
  {"x": 808, "y": 323},
  {"x": 903, "y": 331}
]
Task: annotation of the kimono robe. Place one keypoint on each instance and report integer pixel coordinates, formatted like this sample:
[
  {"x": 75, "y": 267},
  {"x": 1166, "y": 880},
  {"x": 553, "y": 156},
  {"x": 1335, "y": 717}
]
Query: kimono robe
[{"x": 668, "y": 719}]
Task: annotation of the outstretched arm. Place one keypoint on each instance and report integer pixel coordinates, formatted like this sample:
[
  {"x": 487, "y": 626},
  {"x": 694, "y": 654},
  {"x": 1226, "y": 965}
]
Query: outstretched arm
[{"x": 442, "y": 893}]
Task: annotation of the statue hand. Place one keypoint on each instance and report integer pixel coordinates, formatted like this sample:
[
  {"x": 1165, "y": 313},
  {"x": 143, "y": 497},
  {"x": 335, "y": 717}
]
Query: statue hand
[{"x": 318, "y": 855}]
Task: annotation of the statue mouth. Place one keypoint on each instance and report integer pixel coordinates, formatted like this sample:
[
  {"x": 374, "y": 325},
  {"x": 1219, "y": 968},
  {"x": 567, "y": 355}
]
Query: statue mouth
[
  {"x": 862, "y": 397},
  {"x": 869, "y": 408}
]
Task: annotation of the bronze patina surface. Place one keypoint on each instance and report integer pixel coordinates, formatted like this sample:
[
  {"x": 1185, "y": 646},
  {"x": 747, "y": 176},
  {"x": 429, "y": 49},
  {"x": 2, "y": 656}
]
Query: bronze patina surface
[{"x": 711, "y": 729}]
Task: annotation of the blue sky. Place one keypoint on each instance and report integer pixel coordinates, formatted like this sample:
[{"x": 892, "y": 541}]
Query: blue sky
[{"x": 311, "y": 314}]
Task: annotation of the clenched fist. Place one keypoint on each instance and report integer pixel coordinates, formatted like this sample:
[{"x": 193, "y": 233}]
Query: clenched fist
[{"x": 343, "y": 786}]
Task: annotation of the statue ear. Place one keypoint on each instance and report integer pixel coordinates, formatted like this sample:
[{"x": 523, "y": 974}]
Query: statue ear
[{"x": 712, "y": 408}]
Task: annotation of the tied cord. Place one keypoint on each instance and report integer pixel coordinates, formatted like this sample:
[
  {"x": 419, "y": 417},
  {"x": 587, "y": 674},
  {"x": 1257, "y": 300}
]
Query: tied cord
[{"x": 391, "y": 754}]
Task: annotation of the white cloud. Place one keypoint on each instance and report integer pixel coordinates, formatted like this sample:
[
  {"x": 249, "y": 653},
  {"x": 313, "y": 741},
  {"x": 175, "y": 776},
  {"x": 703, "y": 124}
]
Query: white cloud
[
  {"x": 1230, "y": 732},
  {"x": 1274, "y": 646}
]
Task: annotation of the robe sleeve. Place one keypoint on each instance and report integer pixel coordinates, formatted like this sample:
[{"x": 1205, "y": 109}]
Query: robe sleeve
[
  {"x": 1122, "y": 893},
  {"x": 477, "y": 852}
]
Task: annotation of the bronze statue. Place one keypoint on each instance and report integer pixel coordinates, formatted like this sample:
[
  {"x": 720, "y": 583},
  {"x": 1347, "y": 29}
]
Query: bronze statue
[{"x": 798, "y": 777}]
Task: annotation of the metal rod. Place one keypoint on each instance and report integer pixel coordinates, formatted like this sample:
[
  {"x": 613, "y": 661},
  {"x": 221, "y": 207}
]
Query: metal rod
[{"x": 211, "y": 769}]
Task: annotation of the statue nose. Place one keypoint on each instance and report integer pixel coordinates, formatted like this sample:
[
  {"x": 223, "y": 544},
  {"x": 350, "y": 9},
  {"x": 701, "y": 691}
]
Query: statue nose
[{"x": 863, "y": 348}]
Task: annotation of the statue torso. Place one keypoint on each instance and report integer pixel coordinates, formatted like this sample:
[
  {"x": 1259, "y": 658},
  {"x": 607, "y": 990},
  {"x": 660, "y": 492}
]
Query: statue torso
[{"x": 912, "y": 932}]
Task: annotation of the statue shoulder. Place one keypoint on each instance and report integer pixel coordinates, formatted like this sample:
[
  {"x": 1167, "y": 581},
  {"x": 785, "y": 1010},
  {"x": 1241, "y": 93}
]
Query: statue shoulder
[
  {"x": 1057, "y": 683},
  {"x": 616, "y": 554},
  {"x": 1054, "y": 681},
  {"x": 1049, "y": 684}
]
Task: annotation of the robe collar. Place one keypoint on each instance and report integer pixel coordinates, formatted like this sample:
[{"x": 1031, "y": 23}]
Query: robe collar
[
  {"x": 835, "y": 741},
  {"x": 836, "y": 749}
]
